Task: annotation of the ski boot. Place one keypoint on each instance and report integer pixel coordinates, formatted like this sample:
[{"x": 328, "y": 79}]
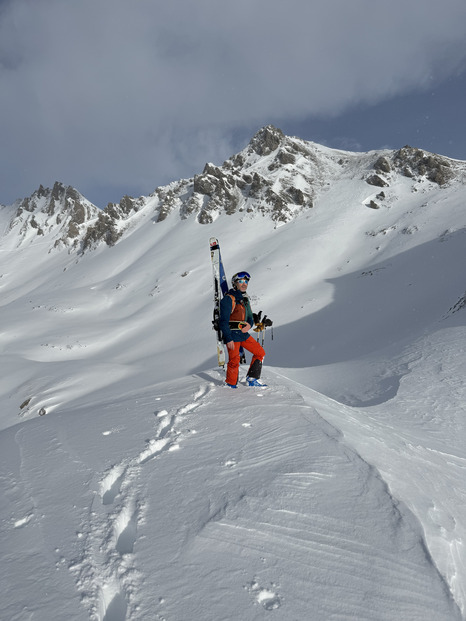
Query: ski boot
[{"x": 255, "y": 383}]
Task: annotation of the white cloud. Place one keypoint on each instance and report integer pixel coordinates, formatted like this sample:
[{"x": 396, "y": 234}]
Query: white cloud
[{"x": 122, "y": 91}]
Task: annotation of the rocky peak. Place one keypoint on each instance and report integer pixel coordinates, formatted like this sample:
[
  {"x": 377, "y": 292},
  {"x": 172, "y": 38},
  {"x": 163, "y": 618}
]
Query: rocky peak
[
  {"x": 266, "y": 140},
  {"x": 248, "y": 183},
  {"x": 60, "y": 212}
]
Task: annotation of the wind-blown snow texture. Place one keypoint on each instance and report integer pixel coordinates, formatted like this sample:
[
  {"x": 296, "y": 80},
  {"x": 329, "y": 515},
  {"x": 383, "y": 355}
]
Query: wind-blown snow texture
[{"x": 135, "y": 486}]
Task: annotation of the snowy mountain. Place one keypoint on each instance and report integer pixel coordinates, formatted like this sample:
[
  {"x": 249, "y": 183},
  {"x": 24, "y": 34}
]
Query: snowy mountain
[
  {"x": 60, "y": 213},
  {"x": 135, "y": 486}
]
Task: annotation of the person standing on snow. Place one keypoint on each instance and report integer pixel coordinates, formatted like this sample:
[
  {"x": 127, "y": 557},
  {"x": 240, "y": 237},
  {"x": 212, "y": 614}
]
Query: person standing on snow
[{"x": 236, "y": 319}]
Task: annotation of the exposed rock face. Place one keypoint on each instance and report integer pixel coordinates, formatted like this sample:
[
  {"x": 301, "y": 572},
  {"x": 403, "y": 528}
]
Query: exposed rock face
[
  {"x": 61, "y": 211},
  {"x": 219, "y": 189},
  {"x": 414, "y": 162},
  {"x": 382, "y": 165},
  {"x": 276, "y": 176},
  {"x": 104, "y": 229},
  {"x": 460, "y": 304},
  {"x": 127, "y": 206},
  {"x": 377, "y": 181},
  {"x": 267, "y": 140},
  {"x": 167, "y": 200},
  {"x": 239, "y": 185}
]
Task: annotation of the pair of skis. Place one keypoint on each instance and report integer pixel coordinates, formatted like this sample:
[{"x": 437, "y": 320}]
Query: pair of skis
[{"x": 220, "y": 289}]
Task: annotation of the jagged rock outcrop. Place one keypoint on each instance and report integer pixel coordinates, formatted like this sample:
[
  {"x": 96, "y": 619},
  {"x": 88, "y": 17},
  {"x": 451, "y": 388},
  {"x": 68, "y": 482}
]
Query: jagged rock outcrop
[
  {"x": 167, "y": 199},
  {"x": 414, "y": 162},
  {"x": 103, "y": 230},
  {"x": 267, "y": 140},
  {"x": 382, "y": 165},
  {"x": 61, "y": 212},
  {"x": 377, "y": 181},
  {"x": 125, "y": 208},
  {"x": 275, "y": 176},
  {"x": 219, "y": 188},
  {"x": 240, "y": 185}
]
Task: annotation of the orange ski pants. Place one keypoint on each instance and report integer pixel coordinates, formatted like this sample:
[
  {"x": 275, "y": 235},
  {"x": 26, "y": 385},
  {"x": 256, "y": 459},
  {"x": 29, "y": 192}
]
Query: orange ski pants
[{"x": 250, "y": 345}]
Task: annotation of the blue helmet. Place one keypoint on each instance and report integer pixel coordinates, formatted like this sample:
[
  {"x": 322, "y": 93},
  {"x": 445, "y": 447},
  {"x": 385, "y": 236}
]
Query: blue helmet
[{"x": 240, "y": 276}]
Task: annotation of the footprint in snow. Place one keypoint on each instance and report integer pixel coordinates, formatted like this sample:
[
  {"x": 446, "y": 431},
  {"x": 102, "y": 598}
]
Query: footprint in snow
[
  {"x": 109, "y": 432},
  {"x": 23, "y": 521},
  {"x": 267, "y": 597},
  {"x": 126, "y": 530},
  {"x": 108, "y": 545},
  {"x": 110, "y": 484},
  {"x": 187, "y": 408},
  {"x": 200, "y": 393},
  {"x": 154, "y": 448}
]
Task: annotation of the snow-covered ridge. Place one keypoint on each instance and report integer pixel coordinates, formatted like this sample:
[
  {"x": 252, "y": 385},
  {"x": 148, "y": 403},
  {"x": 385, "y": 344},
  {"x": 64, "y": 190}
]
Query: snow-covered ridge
[{"x": 275, "y": 175}]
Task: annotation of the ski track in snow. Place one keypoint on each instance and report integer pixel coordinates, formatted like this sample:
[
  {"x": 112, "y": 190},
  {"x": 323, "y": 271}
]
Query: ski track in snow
[{"x": 105, "y": 572}]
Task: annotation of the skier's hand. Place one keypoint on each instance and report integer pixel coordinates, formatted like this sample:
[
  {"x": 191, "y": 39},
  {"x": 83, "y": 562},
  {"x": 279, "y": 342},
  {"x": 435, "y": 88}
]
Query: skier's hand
[
  {"x": 246, "y": 328},
  {"x": 231, "y": 344}
]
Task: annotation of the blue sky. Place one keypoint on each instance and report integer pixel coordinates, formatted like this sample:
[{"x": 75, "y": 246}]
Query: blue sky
[
  {"x": 116, "y": 97},
  {"x": 430, "y": 119}
]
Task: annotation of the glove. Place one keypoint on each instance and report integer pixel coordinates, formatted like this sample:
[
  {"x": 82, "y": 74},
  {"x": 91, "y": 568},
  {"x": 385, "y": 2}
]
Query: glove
[
  {"x": 261, "y": 324},
  {"x": 267, "y": 322}
]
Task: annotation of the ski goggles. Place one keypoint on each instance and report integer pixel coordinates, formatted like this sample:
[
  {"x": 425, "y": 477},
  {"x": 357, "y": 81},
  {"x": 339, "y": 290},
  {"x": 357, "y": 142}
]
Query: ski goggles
[
  {"x": 241, "y": 275},
  {"x": 241, "y": 280}
]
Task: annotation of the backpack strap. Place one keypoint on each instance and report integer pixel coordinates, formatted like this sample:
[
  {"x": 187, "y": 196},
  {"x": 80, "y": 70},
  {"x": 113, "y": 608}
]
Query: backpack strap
[{"x": 233, "y": 301}]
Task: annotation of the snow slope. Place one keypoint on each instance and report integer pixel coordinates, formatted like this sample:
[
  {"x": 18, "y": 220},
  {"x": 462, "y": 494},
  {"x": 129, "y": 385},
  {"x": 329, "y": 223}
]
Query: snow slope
[
  {"x": 185, "y": 501},
  {"x": 135, "y": 486}
]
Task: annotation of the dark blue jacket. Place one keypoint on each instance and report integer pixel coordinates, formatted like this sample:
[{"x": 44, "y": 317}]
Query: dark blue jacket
[{"x": 226, "y": 307}]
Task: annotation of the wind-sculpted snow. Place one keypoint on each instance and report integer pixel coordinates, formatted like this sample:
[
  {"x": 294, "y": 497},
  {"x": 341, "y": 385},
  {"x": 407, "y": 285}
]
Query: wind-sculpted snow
[
  {"x": 189, "y": 500},
  {"x": 106, "y": 572}
]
